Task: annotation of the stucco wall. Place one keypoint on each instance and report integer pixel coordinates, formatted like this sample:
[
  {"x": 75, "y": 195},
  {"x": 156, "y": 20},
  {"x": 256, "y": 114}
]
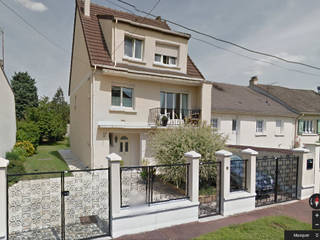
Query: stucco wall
[
  {"x": 80, "y": 102},
  {"x": 309, "y": 138},
  {"x": 7, "y": 116},
  {"x": 247, "y": 131},
  {"x": 150, "y": 38}
]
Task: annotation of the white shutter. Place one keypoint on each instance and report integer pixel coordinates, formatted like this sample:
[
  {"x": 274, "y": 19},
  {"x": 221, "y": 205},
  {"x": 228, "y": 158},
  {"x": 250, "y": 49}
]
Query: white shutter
[{"x": 167, "y": 50}]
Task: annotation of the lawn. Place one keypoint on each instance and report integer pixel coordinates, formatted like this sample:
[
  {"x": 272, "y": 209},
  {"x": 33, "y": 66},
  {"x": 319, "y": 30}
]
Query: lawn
[{"x": 262, "y": 229}]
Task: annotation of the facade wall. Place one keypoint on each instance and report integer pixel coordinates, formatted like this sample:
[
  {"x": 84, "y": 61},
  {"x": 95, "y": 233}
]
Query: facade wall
[
  {"x": 246, "y": 131},
  {"x": 7, "y": 116},
  {"x": 80, "y": 102}
]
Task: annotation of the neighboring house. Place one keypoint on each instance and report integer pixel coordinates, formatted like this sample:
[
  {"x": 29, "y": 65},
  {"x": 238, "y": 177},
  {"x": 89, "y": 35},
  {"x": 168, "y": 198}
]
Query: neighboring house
[
  {"x": 249, "y": 118},
  {"x": 129, "y": 75},
  {"x": 305, "y": 103},
  {"x": 7, "y": 114}
]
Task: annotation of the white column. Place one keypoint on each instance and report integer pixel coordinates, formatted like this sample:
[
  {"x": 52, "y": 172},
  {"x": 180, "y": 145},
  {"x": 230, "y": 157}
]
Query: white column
[
  {"x": 206, "y": 102},
  {"x": 193, "y": 182},
  {"x": 224, "y": 157},
  {"x": 3, "y": 198},
  {"x": 251, "y": 156},
  {"x": 305, "y": 189},
  {"x": 143, "y": 147},
  {"x": 114, "y": 165}
]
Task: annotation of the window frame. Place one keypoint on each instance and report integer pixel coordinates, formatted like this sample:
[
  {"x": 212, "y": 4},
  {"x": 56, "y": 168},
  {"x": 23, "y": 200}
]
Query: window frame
[
  {"x": 121, "y": 97},
  {"x": 181, "y": 109},
  {"x": 217, "y": 123},
  {"x": 262, "y": 126},
  {"x": 165, "y": 64},
  {"x": 308, "y": 126},
  {"x": 279, "y": 129},
  {"x": 133, "y": 50},
  {"x": 234, "y": 125}
]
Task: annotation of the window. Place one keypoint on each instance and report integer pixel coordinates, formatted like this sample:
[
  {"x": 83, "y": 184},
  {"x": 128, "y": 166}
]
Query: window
[
  {"x": 133, "y": 47},
  {"x": 279, "y": 126},
  {"x": 174, "y": 105},
  {"x": 124, "y": 144},
  {"x": 214, "y": 123},
  {"x": 166, "y": 60},
  {"x": 122, "y": 97},
  {"x": 234, "y": 125},
  {"x": 259, "y": 126},
  {"x": 306, "y": 126}
]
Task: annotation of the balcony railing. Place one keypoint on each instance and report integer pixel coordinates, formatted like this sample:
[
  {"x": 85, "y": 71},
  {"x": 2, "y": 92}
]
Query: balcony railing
[{"x": 170, "y": 116}]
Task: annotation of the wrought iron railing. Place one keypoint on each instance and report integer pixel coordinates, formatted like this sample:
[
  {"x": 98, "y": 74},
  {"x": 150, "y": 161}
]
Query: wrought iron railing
[
  {"x": 153, "y": 184},
  {"x": 238, "y": 175},
  {"x": 172, "y": 116}
]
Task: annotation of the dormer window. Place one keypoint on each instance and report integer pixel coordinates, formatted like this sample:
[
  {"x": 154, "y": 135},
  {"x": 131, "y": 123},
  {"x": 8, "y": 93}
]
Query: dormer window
[
  {"x": 133, "y": 48},
  {"x": 166, "y": 54}
]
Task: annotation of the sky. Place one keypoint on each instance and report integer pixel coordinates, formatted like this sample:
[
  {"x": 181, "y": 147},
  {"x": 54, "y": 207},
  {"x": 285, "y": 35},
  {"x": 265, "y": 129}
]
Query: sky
[{"x": 286, "y": 28}]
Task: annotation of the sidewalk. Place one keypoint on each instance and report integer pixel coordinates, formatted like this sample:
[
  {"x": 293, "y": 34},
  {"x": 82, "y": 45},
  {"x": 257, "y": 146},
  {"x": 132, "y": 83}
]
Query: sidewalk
[{"x": 299, "y": 210}]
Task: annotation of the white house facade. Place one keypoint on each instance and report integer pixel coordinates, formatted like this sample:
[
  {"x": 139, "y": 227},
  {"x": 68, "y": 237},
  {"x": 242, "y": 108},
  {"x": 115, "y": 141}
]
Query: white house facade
[{"x": 7, "y": 115}]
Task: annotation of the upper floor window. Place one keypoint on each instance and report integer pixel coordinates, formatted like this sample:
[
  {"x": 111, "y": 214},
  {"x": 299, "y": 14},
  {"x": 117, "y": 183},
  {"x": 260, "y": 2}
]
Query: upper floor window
[
  {"x": 260, "y": 126},
  {"x": 214, "y": 123},
  {"x": 133, "y": 48},
  {"x": 279, "y": 126},
  {"x": 174, "y": 105},
  {"x": 234, "y": 125},
  {"x": 122, "y": 97},
  {"x": 306, "y": 126},
  {"x": 166, "y": 54}
]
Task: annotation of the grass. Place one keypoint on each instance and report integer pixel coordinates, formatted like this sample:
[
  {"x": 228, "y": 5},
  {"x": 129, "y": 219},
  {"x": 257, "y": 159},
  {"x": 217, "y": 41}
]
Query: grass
[
  {"x": 207, "y": 190},
  {"x": 47, "y": 159},
  {"x": 262, "y": 229}
]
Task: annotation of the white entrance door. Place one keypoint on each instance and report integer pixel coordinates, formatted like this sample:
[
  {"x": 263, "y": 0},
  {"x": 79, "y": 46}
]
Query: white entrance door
[{"x": 124, "y": 149}]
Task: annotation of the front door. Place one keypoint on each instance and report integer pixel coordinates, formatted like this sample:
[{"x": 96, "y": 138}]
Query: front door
[{"x": 124, "y": 149}]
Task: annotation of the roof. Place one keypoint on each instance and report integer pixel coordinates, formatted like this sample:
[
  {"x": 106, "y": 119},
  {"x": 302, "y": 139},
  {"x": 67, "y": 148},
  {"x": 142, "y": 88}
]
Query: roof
[
  {"x": 303, "y": 101},
  {"x": 229, "y": 98},
  {"x": 97, "y": 48}
]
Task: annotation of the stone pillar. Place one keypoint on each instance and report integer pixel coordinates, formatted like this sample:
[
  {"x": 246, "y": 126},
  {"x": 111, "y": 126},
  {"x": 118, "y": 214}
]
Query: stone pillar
[
  {"x": 3, "y": 198},
  {"x": 193, "y": 182},
  {"x": 251, "y": 155},
  {"x": 114, "y": 165},
  {"x": 239, "y": 201},
  {"x": 206, "y": 102},
  {"x": 305, "y": 177},
  {"x": 143, "y": 147}
]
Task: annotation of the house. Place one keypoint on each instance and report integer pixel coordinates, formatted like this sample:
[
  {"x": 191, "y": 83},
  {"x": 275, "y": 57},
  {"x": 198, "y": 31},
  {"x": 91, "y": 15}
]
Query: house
[
  {"x": 248, "y": 118},
  {"x": 7, "y": 114},
  {"x": 129, "y": 75},
  {"x": 305, "y": 103}
]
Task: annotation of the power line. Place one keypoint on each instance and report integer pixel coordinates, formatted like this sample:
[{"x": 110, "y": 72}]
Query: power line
[
  {"x": 222, "y": 40},
  {"x": 255, "y": 59}
]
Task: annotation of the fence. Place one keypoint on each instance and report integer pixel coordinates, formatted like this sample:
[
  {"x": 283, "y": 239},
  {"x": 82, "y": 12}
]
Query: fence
[
  {"x": 153, "y": 184},
  {"x": 238, "y": 175}
]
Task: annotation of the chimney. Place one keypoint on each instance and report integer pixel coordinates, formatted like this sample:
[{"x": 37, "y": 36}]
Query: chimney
[
  {"x": 158, "y": 18},
  {"x": 253, "y": 81},
  {"x": 318, "y": 89},
  {"x": 87, "y": 8}
]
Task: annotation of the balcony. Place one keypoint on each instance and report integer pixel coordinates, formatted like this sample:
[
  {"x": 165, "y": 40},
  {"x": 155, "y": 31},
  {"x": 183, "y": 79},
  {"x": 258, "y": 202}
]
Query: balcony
[{"x": 173, "y": 117}]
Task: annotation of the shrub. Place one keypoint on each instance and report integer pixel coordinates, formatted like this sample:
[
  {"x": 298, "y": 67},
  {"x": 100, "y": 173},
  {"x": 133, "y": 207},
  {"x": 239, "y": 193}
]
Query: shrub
[
  {"x": 26, "y": 146},
  {"x": 28, "y": 131},
  {"x": 16, "y": 159},
  {"x": 169, "y": 145}
]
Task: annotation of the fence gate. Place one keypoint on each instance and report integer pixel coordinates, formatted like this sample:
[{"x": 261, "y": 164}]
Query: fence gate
[
  {"x": 209, "y": 189},
  {"x": 276, "y": 179},
  {"x": 58, "y": 205}
]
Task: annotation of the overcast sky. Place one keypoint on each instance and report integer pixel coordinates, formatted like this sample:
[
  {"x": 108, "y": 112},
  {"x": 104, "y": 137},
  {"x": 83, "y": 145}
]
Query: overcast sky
[{"x": 287, "y": 28}]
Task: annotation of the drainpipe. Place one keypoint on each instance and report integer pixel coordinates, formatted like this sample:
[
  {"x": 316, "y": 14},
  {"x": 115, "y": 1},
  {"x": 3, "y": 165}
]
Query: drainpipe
[
  {"x": 296, "y": 127},
  {"x": 92, "y": 112}
]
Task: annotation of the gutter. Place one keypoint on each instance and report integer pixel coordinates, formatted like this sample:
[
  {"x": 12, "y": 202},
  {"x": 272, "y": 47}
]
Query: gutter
[{"x": 91, "y": 117}]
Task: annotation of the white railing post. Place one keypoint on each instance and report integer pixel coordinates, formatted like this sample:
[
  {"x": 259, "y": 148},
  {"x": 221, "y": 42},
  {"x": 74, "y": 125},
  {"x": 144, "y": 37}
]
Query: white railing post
[
  {"x": 193, "y": 182},
  {"x": 3, "y": 198},
  {"x": 305, "y": 177},
  {"x": 251, "y": 155},
  {"x": 114, "y": 168}
]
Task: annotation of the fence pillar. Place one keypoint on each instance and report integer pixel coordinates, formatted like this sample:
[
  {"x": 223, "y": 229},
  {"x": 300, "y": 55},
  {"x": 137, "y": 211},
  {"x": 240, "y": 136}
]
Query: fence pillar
[
  {"x": 3, "y": 198},
  {"x": 233, "y": 202},
  {"x": 305, "y": 177},
  {"x": 193, "y": 182},
  {"x": 251, "y": 155},
  {"x": 114, "y": 167}
]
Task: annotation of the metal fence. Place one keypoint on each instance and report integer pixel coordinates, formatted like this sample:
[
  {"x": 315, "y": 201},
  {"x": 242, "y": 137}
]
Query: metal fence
[
  {"x": 209, "y": 189},
  {"x": 238, "y": 175},
  {"x": 153, "y": 184},
  {"x": 58, "y": 205}
]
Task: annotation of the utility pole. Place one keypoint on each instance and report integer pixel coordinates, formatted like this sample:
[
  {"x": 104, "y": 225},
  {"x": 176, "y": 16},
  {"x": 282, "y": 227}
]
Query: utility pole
[{"x": 2, "y": 35}]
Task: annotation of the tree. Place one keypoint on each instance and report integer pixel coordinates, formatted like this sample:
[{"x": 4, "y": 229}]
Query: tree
[
  {"x": 51, "y": 124},
  {"x": 25, "y": 92},
  {"x": 28, "y": 131},
  {"x": 169, "y": 145},
  {"x": 60, "y": 105}
]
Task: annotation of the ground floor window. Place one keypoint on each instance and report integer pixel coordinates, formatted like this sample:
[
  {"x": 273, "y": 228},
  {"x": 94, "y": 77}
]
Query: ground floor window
[{"x": 124, "y": 144}]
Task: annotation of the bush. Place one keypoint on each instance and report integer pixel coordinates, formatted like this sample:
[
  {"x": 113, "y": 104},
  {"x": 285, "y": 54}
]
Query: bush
[
  {"x": 25, "y": 146},
  {"x": 169, "y": 145},
  {"x": 28, "y": 131},
  {"x": 16, "y": 159}
]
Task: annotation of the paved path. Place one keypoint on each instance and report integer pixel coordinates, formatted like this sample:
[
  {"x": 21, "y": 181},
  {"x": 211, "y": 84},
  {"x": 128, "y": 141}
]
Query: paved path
[
  {"x": 73, "y": 162},
  {"x": 299, "y": 210}
]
